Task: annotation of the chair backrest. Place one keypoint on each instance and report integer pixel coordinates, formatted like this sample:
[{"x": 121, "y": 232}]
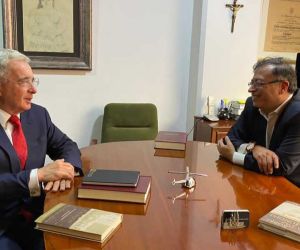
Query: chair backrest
[{"x": 129, "y": 122}]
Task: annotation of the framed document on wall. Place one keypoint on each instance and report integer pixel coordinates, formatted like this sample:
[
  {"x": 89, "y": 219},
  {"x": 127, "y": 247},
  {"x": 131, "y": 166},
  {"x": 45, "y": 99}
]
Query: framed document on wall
[
  {"x": 280, "y": 29},
  {"x": 55, "y": 34}
]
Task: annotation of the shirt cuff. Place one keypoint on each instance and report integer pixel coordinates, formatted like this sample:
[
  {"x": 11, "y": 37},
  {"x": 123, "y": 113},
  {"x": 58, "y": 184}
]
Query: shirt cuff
[
  {"x": 242, "y": 148},
  {"x": 238, "y": 158},
  {"x": 33, "y": 185}
]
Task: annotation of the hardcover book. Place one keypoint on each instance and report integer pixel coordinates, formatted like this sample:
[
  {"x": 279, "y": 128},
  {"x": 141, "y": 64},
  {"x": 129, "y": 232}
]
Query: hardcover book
[
  {"x": 170, "y": 140},
  {"x": 138, "y": 194},
  {"x": 283, "y": 220},
  {"x": 169, "y": 153},
  {"x": 112, "y": 177},
  {"x": 79, "y": 222}
]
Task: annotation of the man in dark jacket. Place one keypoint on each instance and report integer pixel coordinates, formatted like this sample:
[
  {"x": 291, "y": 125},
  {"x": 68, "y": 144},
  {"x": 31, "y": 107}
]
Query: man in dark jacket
[
  {"x": 27, "y": 135},
  {"x": 266, "y": 137}
]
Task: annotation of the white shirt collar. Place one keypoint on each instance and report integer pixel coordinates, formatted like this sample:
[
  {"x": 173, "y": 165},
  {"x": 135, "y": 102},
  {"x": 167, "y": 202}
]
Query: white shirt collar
[
  {"x": 279, "y": 109},
  {"x": 4, "y": 116}
]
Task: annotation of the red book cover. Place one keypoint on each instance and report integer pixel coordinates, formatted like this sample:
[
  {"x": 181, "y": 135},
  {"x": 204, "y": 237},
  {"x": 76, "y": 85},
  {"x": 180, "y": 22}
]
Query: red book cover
[
  {"x": 169, "y": 136},
  {"x": 138, "y": 194}
]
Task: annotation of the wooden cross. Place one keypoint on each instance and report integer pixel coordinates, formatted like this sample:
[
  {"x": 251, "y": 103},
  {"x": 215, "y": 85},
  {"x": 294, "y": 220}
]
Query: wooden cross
[{"x": 234, "y": 8}]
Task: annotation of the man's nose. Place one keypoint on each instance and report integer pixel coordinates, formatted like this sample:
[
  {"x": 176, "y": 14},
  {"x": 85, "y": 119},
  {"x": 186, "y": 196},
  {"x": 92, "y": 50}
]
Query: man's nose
[
  {"x": 32, "y": 89},
  {"x": 251, "y": 89}
]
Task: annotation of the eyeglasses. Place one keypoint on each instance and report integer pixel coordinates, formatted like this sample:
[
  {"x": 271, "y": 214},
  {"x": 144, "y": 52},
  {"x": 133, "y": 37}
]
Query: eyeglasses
[
  {"x": 29, "y": 82},
  {"x": 257, "y": 84}
]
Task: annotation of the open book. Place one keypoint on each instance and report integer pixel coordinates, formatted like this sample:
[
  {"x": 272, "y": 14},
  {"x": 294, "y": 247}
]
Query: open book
[
  {"x": 283, "y": 220},
  {"x": 80, "y": 222}
]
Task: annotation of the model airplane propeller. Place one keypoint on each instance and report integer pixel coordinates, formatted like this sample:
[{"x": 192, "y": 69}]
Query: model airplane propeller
[{"x": 188, "y": 182}]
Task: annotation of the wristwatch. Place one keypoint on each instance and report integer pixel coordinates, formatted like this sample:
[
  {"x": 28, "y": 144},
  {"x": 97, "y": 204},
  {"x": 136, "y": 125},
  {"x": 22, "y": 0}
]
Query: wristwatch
[{"x": 250, "y": 146}]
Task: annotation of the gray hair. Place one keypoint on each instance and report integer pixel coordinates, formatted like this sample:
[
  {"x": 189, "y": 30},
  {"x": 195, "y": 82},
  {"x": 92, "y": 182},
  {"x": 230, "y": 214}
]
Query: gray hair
[
  {"x": 281, "y": 68},
  {"x": 7, "y": 55}
]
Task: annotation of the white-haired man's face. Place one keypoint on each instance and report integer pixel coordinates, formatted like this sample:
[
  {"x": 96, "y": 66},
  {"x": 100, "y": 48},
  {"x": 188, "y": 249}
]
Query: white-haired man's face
[{"x": 17, "y": 89}]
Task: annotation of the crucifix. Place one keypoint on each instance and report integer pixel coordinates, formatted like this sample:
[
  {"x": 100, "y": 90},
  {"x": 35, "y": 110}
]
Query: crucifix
[{"x": 234, "y": 8}]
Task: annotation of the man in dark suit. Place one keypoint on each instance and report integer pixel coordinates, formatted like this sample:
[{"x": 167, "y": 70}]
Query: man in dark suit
[
  {"x": 266, "y": 137},
  {"x": 24, "y": 177}
]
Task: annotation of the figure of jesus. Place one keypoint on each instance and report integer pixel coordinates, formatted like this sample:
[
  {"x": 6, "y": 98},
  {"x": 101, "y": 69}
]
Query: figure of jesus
[{"x": 234, "y": 8}]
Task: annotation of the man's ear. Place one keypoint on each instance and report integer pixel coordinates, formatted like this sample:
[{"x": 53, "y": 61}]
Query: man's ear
[{"x": 284, "y": 86}]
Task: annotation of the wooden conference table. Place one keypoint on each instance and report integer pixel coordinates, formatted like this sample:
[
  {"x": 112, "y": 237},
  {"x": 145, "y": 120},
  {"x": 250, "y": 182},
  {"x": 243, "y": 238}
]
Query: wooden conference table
[{"x": 167, "y": 222}]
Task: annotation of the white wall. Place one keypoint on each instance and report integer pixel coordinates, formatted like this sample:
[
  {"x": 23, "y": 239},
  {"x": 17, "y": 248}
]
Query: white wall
[
  {"x": 229, "y": 57},
  {"x": 224, "y": 60},
  {"x": 141, "y": 53}
]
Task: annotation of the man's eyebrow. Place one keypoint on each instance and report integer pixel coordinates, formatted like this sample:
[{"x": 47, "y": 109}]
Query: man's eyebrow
[
  {"x": 257, "y": 79},
  {"x": 25, "y": 78}
]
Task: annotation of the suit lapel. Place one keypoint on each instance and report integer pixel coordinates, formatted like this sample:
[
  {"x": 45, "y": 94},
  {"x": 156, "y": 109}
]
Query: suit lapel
[
  {"x": 8, "y": 148},
  {"x": 292, "y": 108},
  {"x": 26, "y": 126}
]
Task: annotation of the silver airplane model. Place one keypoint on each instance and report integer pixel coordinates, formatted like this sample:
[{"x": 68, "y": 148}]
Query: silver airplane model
[{"x": 188, "y": 182}]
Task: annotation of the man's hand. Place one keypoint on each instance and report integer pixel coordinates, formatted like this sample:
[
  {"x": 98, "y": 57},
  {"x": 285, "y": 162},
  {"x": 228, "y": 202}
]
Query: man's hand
[
  {"x": 56, "y": 170},
  {"x": 267, "y": 160},
  {"x": 226, "y": 149},
  {"x": 57, "y": 175},
  {"x": 60, "y": 185}
]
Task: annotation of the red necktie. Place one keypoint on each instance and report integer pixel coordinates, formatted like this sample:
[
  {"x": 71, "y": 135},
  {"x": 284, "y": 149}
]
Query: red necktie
[{"x": 19, "y": 141}]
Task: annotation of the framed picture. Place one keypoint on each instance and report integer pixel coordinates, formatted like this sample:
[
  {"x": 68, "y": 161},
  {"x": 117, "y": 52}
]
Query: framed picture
[
  {"x": 280, "y": 33},
  {"x": 54, "y": 34}
]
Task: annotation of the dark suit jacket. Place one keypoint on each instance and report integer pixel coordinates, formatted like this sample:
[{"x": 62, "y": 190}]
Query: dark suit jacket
[
  {"x": 42, "y": 137},
  {"x": 285, "y": 141}
]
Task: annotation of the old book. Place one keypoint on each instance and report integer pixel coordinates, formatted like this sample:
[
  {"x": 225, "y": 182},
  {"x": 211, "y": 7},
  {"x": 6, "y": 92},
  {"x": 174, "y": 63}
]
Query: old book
[
  {"x": 169, "y": 153},
  {"x": 112, "y": 177},
  {"x": 138, "y": 194},
  {"x": 283, "y": 220},
  {"x": 170, "y": 140},
  {"x": 79, "y": 222}
]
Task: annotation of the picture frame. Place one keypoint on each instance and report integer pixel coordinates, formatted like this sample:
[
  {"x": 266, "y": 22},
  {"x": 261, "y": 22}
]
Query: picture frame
[
  {"x": 54, "y": 34},
  {"x": 278, "y": 38}
]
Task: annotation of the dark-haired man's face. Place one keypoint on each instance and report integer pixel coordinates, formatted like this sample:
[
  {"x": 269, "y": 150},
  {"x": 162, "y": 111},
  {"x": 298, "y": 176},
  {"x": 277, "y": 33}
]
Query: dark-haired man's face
[{"x": 267, "y": 91}]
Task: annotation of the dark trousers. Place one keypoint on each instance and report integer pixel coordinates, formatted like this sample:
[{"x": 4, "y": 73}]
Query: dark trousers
[{"x": 21, "y": 235}]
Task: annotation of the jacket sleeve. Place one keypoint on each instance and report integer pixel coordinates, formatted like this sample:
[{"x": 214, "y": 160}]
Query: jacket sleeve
[
  {"x": 60, "y": 146},
  {"x": 288, "y": 149},
  {"x": 248, "y": 128},
  {"x": 240, "y": 132},
  {"x": 285, "y": 143}
]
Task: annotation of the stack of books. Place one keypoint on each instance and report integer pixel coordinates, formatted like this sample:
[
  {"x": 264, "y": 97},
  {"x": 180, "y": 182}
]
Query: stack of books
[
  {"x": 170, "y": 144},
  {"x": 170, "y": 140},
  {"x": 283, "y": 220},
  {"x": 79, "y": 222},
  {"x": 115, "y": 185}
]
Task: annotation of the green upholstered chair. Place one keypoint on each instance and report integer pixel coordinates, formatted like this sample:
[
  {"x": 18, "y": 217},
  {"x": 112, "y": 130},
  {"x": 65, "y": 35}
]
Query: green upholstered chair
[{"x": 129, "y": 122}]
